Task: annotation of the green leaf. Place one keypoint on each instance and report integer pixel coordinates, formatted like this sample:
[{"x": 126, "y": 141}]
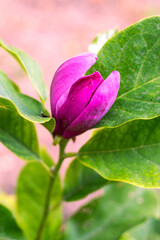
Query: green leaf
[
  {"x": 9, "y": 229},
  {"x": 26, "y": 106},
  {"x": 149, "y": 230},
  {"x": 16, "y": 87},
  {"x": 30, "y": 67},
  {"x": 32, "y": 188},
  {"x": 122, "y": 207},
  {"x": 129, "y": 153},
  {"x": 135, "y": 53},
  {"x": 18, "y": 135},
  {"x": 50, "y": 125},
  {"x": 46, "y": 158},
  {"x": 100, "y": 40},
  {"x": 80, "y": 181},
  {"x": 8, "y": 200}
]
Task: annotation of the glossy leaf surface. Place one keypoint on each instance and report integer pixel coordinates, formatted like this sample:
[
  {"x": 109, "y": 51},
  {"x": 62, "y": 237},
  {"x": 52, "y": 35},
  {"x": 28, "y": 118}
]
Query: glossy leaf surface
[
  {"x": 129, "y": 153},
  {"x": 26, "y": 106},
  {"x": 18, "y": 135},
  {"x": 135, "y": 53},
  {"x": 31, "y": 68},
  {"x": 80, "y": 181}
]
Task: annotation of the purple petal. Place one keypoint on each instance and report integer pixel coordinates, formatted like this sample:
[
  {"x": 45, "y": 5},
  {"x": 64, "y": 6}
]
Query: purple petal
[
  {"x": 79, "y": 96},
  {"x": 66, "y": 75},
  {"x": 101, "y": 102}
]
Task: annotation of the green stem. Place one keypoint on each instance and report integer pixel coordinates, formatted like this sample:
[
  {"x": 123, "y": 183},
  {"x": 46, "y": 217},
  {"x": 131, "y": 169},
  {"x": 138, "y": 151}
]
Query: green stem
[{"x": 53, "y": 176}]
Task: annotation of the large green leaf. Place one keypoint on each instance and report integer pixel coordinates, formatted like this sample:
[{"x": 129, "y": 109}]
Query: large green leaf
[
  {"x": 122, "y": 207},
  {"x": 135, "y": 53},
  {"x": 33, "y": 184},
  {"x": 26, "y": 106},
  {"x": 18, "y": 135},
  {"x": 80, "y": 181},
  {"x": 129, "y": 153},
  {"x": 31, "y": 68},
  {"x": 9, "y": 229},
  {"x": 149, "y": 230}
]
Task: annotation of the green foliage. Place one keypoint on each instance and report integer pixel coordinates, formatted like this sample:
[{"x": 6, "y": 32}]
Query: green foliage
[
  {"x": 16, "y": 87},
  {"x": 26, "y": 106},
  {"x": 129, "y": 153},
  {"x": 31, "y": 68},
  {"x": 18, "y": 135},
  {"x": 148, "y": 230},
  {"x": 9, "y": 229},
  {"x": 32, "y": 190},
  {"x": 8, "y": 200},
  {"x": 135, "y": 53},
  {"x": 80, "y": 181},
  {"x": 100, "y": 40},
  {"x": 50, "y": 125},
  {"x": 46, "y": 158},
  {"x": 121, "y": 207}
]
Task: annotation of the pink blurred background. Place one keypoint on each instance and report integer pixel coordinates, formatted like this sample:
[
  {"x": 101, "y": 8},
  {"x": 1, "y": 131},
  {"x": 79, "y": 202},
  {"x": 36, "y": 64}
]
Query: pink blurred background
[{"x": 52, "y": 31}]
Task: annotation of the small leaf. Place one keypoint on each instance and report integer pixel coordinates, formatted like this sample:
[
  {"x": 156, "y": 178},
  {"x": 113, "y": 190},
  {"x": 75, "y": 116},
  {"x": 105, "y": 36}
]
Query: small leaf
[
  {"x": 46, "y": 158},
  {"x": 31, "y": 68},
  {"x": 8, "y": 226},
  {"x": 107, "y": 217},
  {"x": 50, "y": 125},
  {"x": 135, "y": 53},
  {"x": 80, "y": 181},
  {"x": 32, "y": 190},
  {"x": 129, "y": 153},
  {"x": 100, "y": 40},
  {"x": 26, "y": 106},
  {"x": 18, "y": 135},
  {"x": 148, "y": 230}
]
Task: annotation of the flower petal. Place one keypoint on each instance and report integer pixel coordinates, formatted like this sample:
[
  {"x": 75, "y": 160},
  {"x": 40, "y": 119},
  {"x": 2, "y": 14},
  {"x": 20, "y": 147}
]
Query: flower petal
[
  {"x": 66, "y": 75},
  {"x": 79, "y": 96},
  {"x": 101, "y": 102}
]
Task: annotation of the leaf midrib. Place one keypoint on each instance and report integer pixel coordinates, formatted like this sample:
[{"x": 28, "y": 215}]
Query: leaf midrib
[
  {"x": 138, "y": 75},
  {"x": 133, "y": 89},
  {"x": 24, "y": 66},
  {"x": 119, "y": 149},
  {"x": 22, "y": 113}
]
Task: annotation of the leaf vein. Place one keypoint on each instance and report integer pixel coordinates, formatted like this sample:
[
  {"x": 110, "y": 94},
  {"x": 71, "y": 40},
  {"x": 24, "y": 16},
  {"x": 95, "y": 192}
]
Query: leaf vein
[
  {"x": 119, "y": 149},
  {"x": 138, "y": 75}
]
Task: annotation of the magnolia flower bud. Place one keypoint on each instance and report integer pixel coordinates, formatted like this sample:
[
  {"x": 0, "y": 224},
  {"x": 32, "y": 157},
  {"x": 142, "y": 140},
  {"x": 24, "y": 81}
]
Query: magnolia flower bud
[{"x": 78, "y": 102}]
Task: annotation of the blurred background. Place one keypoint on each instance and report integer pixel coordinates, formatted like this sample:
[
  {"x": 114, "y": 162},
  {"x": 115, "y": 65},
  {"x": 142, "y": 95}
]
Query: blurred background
[{"x": 52, "y": 31}]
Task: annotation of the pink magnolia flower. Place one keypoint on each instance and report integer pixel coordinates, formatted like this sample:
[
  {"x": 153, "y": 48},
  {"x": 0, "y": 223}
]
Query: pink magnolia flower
[{"x": 78, "y": 102}]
